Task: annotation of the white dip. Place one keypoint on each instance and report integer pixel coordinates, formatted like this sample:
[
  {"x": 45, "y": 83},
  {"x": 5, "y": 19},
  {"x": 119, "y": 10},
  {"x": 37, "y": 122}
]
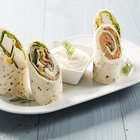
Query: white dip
[{"x": 75, "y": 62}]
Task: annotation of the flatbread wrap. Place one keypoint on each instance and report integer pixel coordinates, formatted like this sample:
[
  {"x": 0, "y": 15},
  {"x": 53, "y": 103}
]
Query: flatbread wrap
[
  {"x": 13, "y": 68},
  {"x": 45, "y": 74},
  {"x": 106, "y": 68}
]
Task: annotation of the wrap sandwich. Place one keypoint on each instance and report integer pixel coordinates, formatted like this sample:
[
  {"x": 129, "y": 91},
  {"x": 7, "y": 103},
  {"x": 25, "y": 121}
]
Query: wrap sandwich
[
  {"x": 108, "y": 55},
  {"x": 13, "y": 65},
  {"x": 45, "y": 74}
]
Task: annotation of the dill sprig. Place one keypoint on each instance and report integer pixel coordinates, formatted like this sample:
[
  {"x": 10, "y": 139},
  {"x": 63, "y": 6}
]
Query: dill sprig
[
  {"x": 22, "y": 99},
  {"x": 127, "y": 68},
  {"x": 68, "y": 48}
]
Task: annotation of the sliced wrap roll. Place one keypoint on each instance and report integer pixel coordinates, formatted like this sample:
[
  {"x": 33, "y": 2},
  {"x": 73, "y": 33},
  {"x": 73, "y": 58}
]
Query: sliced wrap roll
[
  {"x": 106, "y": 17},
  {"x": 13, "y": 65},
  {"x": 45, "y": 74},
  {"x": 108, "y": 53}
]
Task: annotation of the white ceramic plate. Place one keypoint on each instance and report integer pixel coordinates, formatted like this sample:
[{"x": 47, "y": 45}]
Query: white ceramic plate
[{"x": 87, "y": 89}]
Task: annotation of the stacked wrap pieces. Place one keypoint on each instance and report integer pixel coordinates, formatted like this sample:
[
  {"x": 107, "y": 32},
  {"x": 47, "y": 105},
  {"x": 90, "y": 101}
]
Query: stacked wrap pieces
[
  {"x": 45, "y": 74},
  {"x": 12, "y": 65},
  {"x": 106, "y": 17},
  {"x": 108, "y": 53}
]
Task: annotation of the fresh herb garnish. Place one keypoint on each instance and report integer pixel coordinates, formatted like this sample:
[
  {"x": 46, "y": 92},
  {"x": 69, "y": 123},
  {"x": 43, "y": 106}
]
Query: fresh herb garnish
[
  {"x": 127, "y": 68},
  {"x": 21, "y": 99},
  {"x": 68, "y": 47}
]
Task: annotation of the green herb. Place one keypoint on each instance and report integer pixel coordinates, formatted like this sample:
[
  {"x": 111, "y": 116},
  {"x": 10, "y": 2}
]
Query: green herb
[
  {"x": 40, "y": 45},
  {"x": 5, "y": 51},
  {"x": 117, "y": 39},
  {"x": 0, "y": 49},
  {"x": 35, "y": 57},
  {"x": 21, "y": 99},
  {"x": 116, "y": 25},
  {"x": 68, "y": 47},
  {"x": 111, "y": 49},
  {"x": 127, "y": 68}
]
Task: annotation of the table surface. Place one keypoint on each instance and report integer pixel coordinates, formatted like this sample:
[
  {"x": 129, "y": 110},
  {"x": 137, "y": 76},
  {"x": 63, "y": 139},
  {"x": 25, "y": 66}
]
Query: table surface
[{"x": 112, "y": 117}]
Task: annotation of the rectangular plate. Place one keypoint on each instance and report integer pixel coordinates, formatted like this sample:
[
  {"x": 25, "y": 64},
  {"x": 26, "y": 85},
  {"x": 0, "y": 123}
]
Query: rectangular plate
[{"x": 87, "y": 89}]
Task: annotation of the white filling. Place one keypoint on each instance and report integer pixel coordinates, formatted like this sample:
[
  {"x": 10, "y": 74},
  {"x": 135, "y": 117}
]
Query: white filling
[
  {"x": 50, "y": 73},
  {"x": 106, "y": 18},
  {"x": 17, "y": 54},
  {"x": 39, "y": 63},
  {"x": 8, "y": 43},
  {"x": 19, "y": 58},
  {"x": 54, "y": 72}
]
